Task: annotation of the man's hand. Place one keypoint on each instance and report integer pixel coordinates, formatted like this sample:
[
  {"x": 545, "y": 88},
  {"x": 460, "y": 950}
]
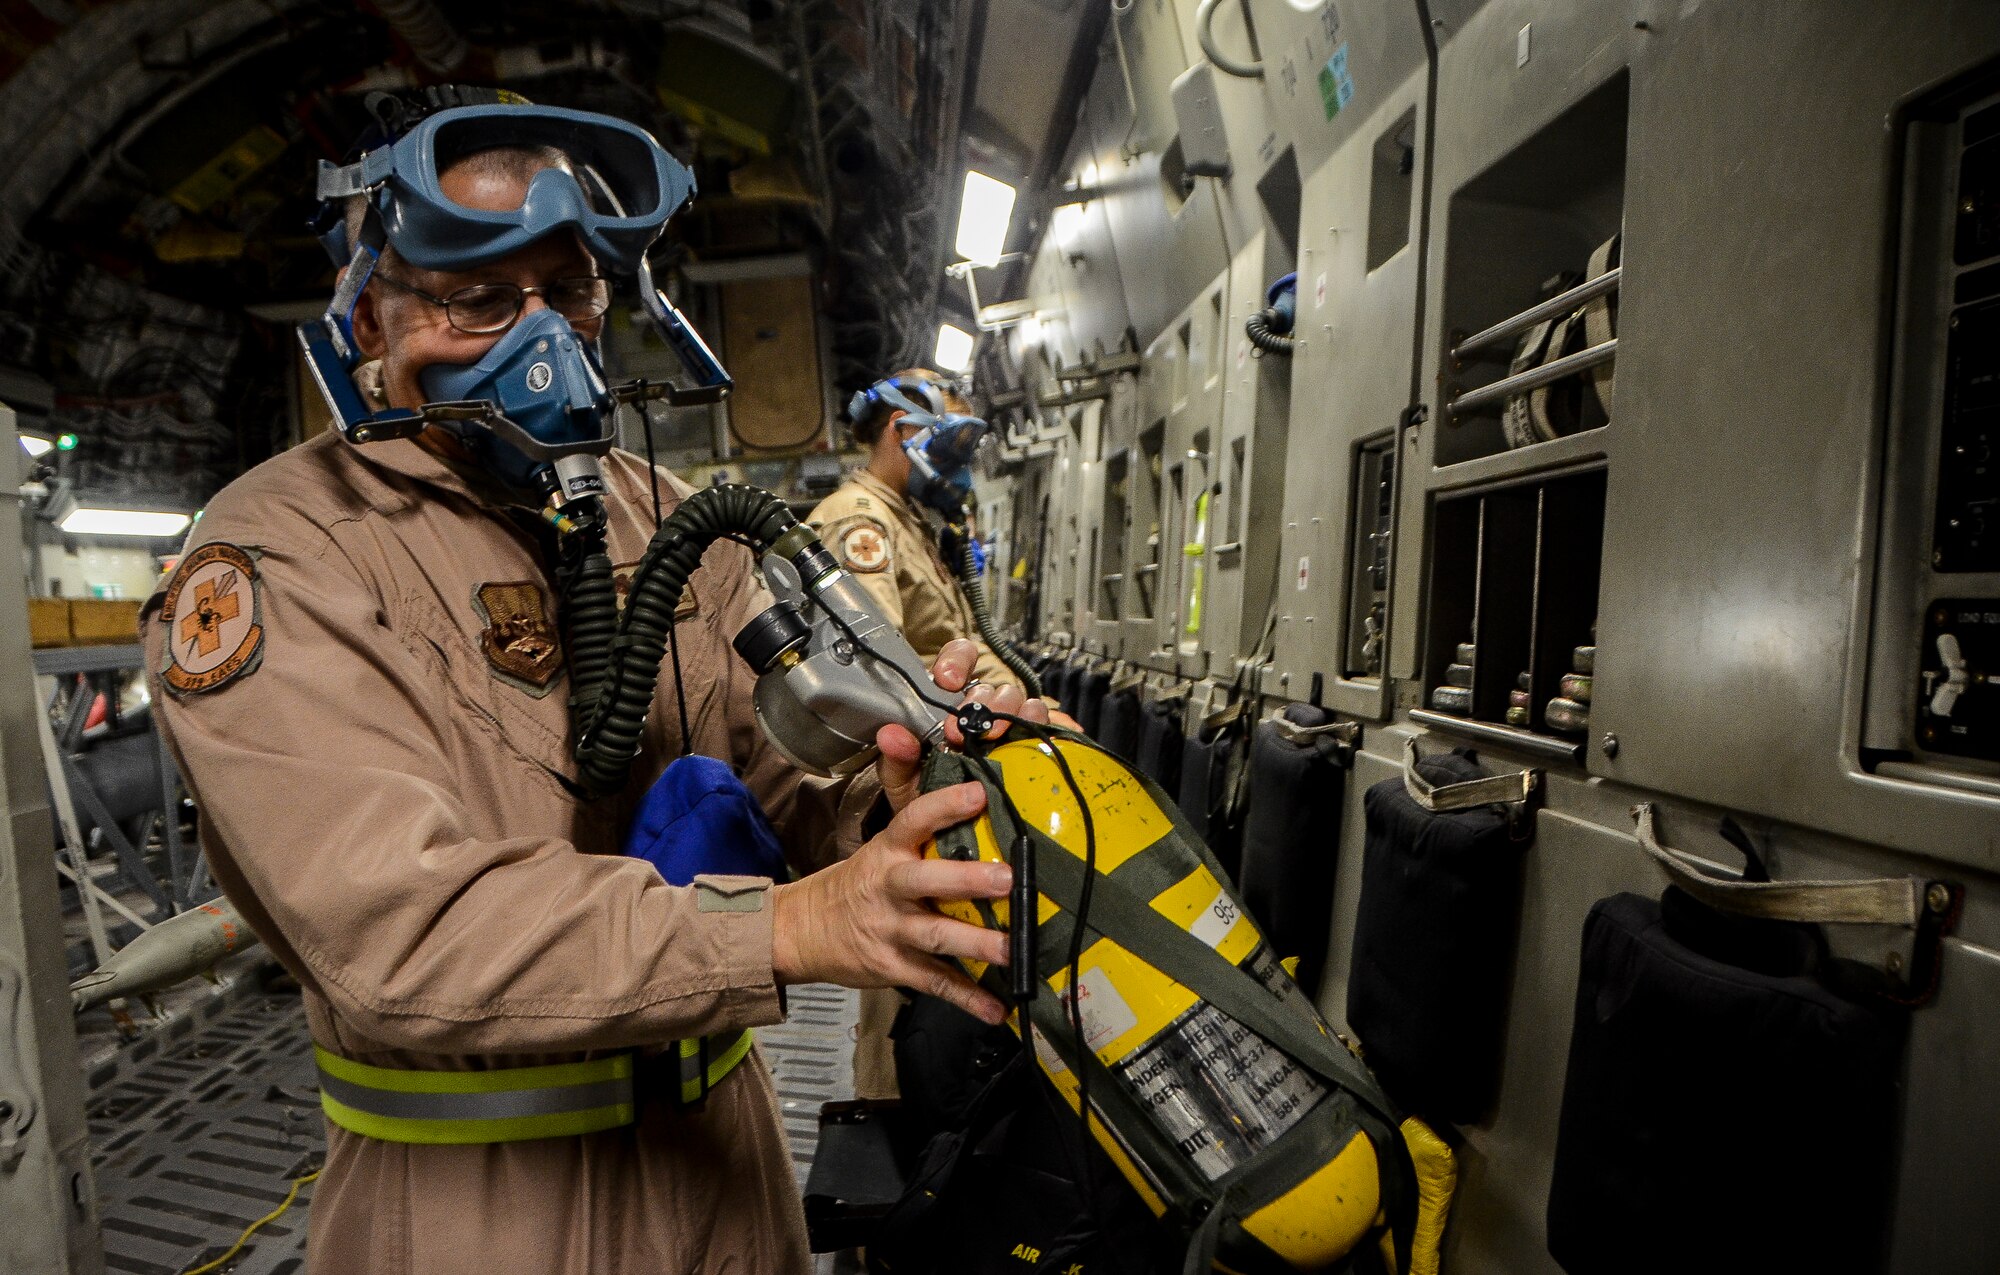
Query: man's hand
[
  {"x": 901, "y": 753},
  {"x": 867, "y": 920}
]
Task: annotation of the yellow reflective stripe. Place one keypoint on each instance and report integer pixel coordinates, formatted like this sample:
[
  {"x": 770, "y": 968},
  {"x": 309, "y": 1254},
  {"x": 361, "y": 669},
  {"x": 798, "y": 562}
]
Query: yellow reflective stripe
[
  {"x": 499, "y": 1080},
  {"x": 464, "y": 1132},
  {"x": 719, "y": 1066}
]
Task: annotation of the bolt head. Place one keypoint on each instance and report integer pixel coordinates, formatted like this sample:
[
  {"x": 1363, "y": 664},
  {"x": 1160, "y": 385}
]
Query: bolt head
[{"x": 1609, "y": 744}]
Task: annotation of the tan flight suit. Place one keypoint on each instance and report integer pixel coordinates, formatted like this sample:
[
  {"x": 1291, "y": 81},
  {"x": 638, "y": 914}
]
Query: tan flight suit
[
  {"x": 892, "y": 550},
  {"x": 365, "y": 695}
]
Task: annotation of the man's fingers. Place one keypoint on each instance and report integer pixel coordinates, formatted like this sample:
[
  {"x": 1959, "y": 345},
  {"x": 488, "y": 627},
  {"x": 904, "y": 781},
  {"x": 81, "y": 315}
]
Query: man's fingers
[
  {"x": 924, "y": 817},
  {"x": 1035, "y": 710},
  {"x": 918, "y": 879},
  {"x": 1009, "y": 700},
  {"x": 900, "y": 766},
  {"x": 935, "y": 934},
  {"x": 935, "y": 978},
  {"x": 953, "y": 668}
]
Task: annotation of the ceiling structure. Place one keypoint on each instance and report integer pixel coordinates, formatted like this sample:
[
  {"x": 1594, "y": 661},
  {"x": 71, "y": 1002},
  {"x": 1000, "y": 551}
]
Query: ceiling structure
[{"x": 160, "y": 157}]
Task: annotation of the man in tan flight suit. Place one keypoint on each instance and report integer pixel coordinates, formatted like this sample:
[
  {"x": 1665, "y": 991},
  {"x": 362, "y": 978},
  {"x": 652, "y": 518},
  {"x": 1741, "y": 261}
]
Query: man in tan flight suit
[
  {"x": 360, "y": 670},
  {"x": 891, "y": 547}
]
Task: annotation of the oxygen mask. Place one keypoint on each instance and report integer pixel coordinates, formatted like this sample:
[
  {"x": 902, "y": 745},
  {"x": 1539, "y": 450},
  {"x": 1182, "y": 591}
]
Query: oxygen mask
[
  {"x": 941, "y": 462},
  {"x": 552, "y": 417}
]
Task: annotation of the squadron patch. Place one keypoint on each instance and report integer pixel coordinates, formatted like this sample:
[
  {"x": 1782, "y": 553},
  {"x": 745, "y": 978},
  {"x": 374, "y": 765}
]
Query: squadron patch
[
  {"x": 861, "y": 543},
  {"x": 519, "y": 640},
  {"x": 213, "y": 613}
]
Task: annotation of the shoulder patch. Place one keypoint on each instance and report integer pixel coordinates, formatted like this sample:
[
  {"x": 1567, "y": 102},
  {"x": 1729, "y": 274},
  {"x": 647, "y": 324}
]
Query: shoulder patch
[
  {"x": 213, "y": 610},
  {"x": 520, "y": 641},
  {"x": 861, "y": 543}
]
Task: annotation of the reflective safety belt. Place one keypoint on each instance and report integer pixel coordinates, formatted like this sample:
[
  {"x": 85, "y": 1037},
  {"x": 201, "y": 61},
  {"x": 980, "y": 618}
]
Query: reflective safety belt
[
  {"x": 509, "y": 1104},
  {"x": 705, "y": 1060}
]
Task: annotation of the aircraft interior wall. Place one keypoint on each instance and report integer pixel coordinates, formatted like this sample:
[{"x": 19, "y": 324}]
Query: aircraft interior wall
[{"x": 1744, "y": 534}]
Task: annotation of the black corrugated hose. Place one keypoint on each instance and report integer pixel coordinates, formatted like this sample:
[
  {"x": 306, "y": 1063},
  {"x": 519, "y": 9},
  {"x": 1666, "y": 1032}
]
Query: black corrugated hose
[
  {"x": 1258, "y": 328},
  {"x": 615, "y": 660},
  {"x": 989, "y": 632}
]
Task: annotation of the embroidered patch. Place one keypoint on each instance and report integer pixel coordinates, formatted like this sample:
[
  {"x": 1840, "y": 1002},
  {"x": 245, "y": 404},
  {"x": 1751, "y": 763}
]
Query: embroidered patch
[
  {"x": 862, "y": 544},
  {"x": 519, "y": 640},
  {"x": 213, "y": 613}
]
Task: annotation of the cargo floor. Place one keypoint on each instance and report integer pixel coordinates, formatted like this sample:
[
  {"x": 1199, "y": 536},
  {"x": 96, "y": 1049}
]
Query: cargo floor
[{"x": 193, "y": 1145}]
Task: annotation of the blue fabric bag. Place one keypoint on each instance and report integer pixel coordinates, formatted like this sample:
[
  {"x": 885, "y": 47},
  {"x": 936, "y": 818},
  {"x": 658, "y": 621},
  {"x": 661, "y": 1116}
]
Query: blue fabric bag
[{"x": 699, "y": 818}]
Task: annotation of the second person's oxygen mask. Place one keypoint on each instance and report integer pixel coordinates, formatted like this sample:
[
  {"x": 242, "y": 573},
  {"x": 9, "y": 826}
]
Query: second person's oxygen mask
[
  {"x": 941, "y": 451},
  {"x": 535, "y": 410}
]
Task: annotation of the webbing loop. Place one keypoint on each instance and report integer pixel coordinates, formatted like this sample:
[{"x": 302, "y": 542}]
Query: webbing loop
[
  {"x": 1514, "y": 789},
  {"x": 1897, "y": 901}
]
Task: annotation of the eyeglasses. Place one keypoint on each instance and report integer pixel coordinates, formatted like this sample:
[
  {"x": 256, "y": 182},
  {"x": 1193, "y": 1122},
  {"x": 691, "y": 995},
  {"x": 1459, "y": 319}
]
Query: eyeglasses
[{"x": 486, "y": 308}]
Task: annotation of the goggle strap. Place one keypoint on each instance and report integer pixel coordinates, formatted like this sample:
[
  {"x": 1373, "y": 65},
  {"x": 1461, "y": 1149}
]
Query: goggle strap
[
  {"x": 342, "y": 181},
  {"x": 892, "y": 394},
  {"x": 360, "y": 268}
]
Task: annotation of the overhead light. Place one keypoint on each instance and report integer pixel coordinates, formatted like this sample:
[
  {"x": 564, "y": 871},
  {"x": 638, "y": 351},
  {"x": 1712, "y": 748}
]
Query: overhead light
[
  {"x": 123, "y": 522},
  {"x": 983, "y": 215},
  {"x": 954, "y": 348},
  {"x": 36, "y": 445}
]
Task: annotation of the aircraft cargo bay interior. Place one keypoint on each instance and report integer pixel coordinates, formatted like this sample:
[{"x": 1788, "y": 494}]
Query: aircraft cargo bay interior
[{"x": 1000, "y": 637}]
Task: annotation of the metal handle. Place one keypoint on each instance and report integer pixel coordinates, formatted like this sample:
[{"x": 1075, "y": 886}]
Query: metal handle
[
  {"x": 1513, "y": 790},
  {"x": 1588, "y": 290},
  {"x": 1534, "y": 378},
  {"x": 1204, "y": 29},
  {"x": 1904, "y": 902}
]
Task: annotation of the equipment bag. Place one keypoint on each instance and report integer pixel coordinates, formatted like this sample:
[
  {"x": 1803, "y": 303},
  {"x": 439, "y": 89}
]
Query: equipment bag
[
  {"x": 1212, "y": 763},
  {"x": 1091, "y": 688},
  {"x": 1118, "y": 725},
  {"x": 1060, "y": 684},
  {"x": 1703, "y": 1034},
  {"x": 1161, "y": 742},
  {"x": 1291, "y": 833},
  {"x": 1434, "y": 935}
]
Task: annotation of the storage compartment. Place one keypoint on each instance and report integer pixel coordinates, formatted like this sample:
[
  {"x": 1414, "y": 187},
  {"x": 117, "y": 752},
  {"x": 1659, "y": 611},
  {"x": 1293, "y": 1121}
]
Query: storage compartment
[
  {"x": 1524, "y": 240},
  {"x": 1933, "y": 696},
  {"x": 1146, "y": 495},
  {"x": 1392, "y": 177},
  {"x": 1117, "y": 518},
  {"x": 1510, "y": 650},
  {"x": 1374, "y": 506}
]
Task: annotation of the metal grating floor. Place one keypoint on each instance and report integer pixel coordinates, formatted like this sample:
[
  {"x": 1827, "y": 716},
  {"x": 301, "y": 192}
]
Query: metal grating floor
[{"x": 191, "y": 1147}]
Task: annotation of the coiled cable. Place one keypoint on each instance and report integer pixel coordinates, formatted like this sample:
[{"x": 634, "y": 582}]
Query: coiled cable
[
  {"x": 982, "y": 615},
  {"x": 616, "y": 666}
]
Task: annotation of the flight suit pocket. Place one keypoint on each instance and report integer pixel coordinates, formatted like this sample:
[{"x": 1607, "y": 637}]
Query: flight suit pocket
[{"x": 531, "y": 722}]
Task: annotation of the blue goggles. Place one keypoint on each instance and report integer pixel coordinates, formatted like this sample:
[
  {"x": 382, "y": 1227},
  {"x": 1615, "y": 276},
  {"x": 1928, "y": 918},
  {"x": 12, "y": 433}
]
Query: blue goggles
[{"x": 624, "y": 189}]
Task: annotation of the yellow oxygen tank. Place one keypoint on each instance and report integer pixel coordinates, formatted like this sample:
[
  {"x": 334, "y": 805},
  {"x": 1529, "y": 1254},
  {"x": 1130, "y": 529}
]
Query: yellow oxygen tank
[{"x": 1266, "y": 1137}]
